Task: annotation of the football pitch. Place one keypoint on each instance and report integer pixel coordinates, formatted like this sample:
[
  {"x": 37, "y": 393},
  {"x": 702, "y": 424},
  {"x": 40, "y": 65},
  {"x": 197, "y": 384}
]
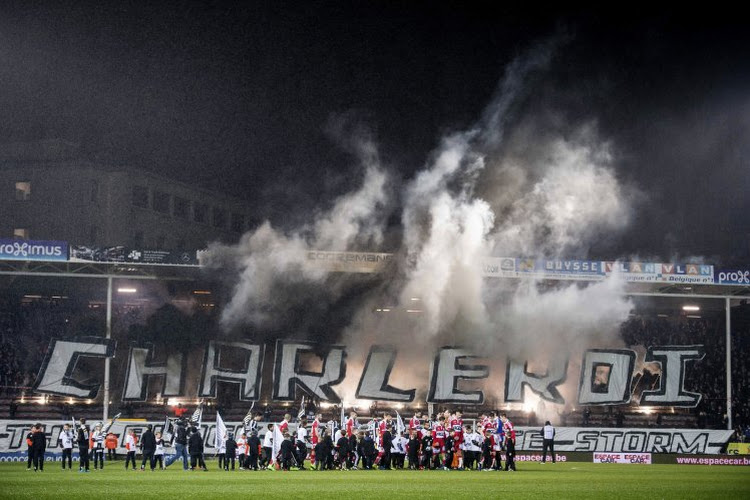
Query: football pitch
[{"x": 532, "y": 480}]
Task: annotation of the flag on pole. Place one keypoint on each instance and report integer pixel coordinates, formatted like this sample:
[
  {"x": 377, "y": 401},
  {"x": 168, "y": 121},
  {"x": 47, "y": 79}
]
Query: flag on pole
[
  {"x": 249, "y": 417},
  {"x": 109, "y": 424},
  {"x": 343, "y": 416},
  {"x": 301, "y": 409},
  {"x": 168, "y": 430},
  {"x": 221, "y": 432},
  {"x": 276, "y": 445},
  {"x": 197, "y": 417},
  {"x": 400, "y": 428}
]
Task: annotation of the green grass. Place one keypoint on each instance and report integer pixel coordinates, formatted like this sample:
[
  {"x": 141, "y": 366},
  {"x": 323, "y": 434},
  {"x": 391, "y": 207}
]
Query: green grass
[{"x": 532, "y": 480}]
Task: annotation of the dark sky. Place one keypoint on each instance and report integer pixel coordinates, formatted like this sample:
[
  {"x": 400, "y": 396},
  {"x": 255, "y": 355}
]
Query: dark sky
[{"x": 242, "y": 99}]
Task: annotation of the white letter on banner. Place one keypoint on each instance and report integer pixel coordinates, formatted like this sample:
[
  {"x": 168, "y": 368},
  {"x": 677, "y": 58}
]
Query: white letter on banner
[
  {"x": 56, "y": 373},
  {"x": 616, "y": 389},
  {"x": 248, "y": 378},
  {"x": 287, "y": 374},
  {"x": 671, "y": 391},
  {"x": 141, "y": 368},
  {"x": 516, "y": 376},
  {"x": 377, "y": 371},
  {"x": 448, "y": 370}
]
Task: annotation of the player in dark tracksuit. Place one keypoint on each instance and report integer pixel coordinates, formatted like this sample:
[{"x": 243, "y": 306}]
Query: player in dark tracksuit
[
  {"x": 342, "y": 450},
  {"x": 83, "y": 446},
  {"x": 450, "y": 443},
  {"x": 385, "y": 463},
  {"x": 29, "y": 451},
  {"x": 148, "y": 447},
  {"x": 195, "y": 447},
  {"x": 287, "y": 452},
  {"x": 253, "y": 449},
  {"x": 352, "y": 458},
  {"x": 231, "y": 451},
  {"x": 426, "y": 451},
  {"x": 38, "y": 447},
  {"x": 367, "y": 451},
  {"x": 412, "y": 448}
]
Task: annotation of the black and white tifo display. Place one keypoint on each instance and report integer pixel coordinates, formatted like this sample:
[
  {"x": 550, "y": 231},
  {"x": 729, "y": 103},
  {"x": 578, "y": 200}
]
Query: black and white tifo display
[{"x": 455, "y": 375}]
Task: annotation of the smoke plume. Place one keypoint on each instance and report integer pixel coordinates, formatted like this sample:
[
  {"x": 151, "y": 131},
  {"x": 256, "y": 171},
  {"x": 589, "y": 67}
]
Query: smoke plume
[{"x": 510, "y": 186}]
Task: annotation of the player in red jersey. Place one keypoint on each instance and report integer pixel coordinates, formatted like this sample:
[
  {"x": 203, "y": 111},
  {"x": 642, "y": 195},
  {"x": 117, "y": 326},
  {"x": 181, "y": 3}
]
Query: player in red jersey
[
  {"x": 439, "y": 433},
  {"x": 351, "y": 423},
  {"x": 284, "y": 424},
  {"x": 315, "y": 435},
  {"x": 415, "y": 422},
  {"x": 457, "y": 424}
]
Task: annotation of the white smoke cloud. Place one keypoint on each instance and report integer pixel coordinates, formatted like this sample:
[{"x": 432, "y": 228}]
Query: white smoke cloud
[
  {"x": 489, "y": 191},
  {"x": 269, "y": 261}
]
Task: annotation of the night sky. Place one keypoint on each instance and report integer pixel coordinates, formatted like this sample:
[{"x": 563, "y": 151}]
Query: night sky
[{"x": 255, "y": 100}]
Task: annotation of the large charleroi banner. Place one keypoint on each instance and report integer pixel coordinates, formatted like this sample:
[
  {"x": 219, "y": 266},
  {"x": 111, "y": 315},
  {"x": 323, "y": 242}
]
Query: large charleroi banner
[
  {"x": 605, "y": 377},
  {"x": 567, "y": 439}
]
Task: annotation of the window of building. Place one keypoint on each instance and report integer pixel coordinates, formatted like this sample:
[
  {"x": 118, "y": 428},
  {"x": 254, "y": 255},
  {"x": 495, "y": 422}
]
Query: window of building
[
  {"x": 181, "y": 208},
  {"x": 21, "y": 233},
  {"x": 238, "y": 223},
  {"x": 94, "y": 191},
  {"x": 161, "y": 201},
  {"x": 220, "y": 217},
  {"x": 200, "y": 212},
  {"x": 138, "y": 240},
  {"x": 23, "y": 190},
  {"x": 140, "y": 196}
]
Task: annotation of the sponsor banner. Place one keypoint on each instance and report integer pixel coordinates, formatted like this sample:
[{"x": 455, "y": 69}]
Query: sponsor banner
[
  {"x": 710, "y": 460},
  {"x": 594, "y": 270},
  {"x": 568, "y": 440},
  {"x": 11, "y": 249},
  {"x": 662, "y": 272},
  {"x": 350, "y": 262},
  {"x": 733, "y": 277},
  {"x": 627, "y": 441},
  {"x": 622, "y": 458},
  {"x": 124, "y": 254},
  {"x": 537, "y": 457},
  {"x": 738, "y": 449},
  {"x": 13, "y": 436}
]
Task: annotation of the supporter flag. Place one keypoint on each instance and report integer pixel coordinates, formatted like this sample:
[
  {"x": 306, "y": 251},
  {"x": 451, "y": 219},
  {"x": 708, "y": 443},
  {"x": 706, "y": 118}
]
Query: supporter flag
[
  {"x": 221, "y": 432},
  {"x": 249, "y": 417},
  {"x": 276, "y": 445},
  {"x": 197, "y": 417},
  {"x": 168, "y": 430},
  {"x": 301, "y": 409},
  {"x": 109, "y": 424},
  {"x": 400, "y": 428},
  {"x": 343, "y": 417}
]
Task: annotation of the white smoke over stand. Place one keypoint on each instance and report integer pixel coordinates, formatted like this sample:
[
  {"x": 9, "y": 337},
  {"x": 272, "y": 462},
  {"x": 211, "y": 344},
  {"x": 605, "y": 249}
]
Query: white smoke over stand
[{"x": 489, "y": 191}]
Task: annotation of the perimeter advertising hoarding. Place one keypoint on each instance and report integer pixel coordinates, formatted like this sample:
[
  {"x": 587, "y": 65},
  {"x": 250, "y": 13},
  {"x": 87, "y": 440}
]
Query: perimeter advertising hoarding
[
  {"x": 41, "y": 250},
  {"x": 687, "y": 442},
  {"x": 622, "y": 458}
]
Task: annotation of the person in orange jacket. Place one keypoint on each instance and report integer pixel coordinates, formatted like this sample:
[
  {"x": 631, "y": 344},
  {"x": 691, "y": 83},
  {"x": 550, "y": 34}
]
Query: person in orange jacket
[{"x": 110, "y": 442}]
